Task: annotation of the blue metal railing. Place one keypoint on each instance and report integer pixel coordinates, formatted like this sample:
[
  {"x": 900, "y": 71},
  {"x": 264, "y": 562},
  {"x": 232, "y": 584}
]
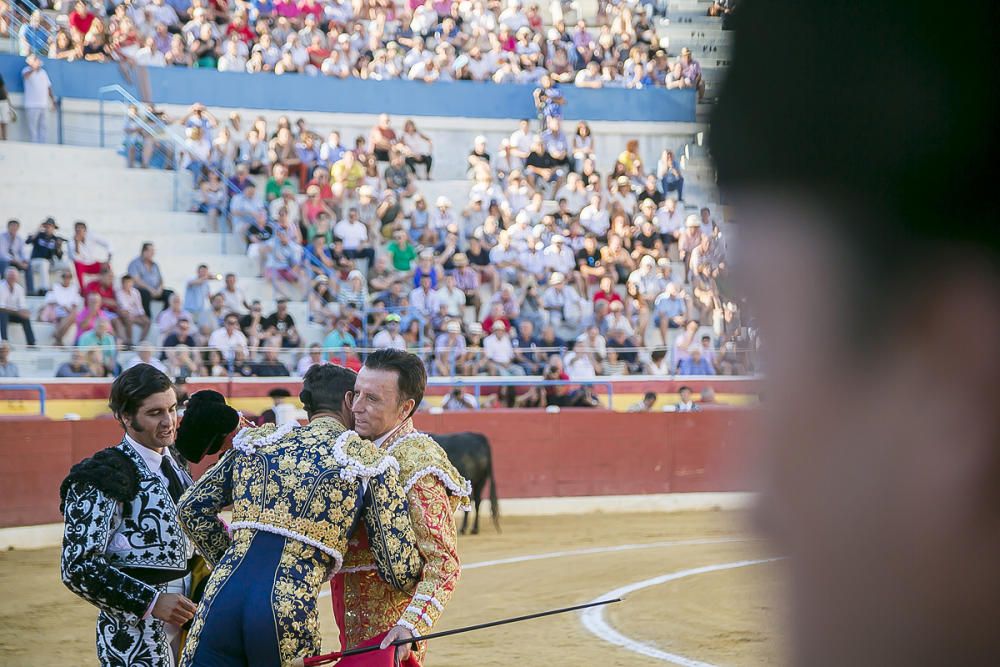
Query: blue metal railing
[
  {"x": 18, "y": 15},
  {"x": 28, "y": 387},
  {"x": 478, "y": 383},
  {"x": 154, "y": 126}
]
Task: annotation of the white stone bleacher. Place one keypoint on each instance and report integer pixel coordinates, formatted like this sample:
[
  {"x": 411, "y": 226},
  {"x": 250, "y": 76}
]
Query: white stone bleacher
[{"x": 126, "y": 207}]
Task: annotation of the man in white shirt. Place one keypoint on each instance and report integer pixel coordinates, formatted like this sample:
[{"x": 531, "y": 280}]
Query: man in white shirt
[
  {"x": 234, "y": 298},
  {"x": 594, "y": 217},
  {"x": 520, "y": 141},
  {"x": 504, "y": 258},
  {"x": 14, "y": 306},
  {"x": 390, "y": 336},
  {"x": 37, "y": 99},
  {"x": 307, "y": 361},
  {"x": 144, "y": 355},
  {"x": 14, "y": 251},
  {"x": 452, "y": 298},
  {"x": 669, "y": 220},
  {"x": 89, "y": 253},
  {"x": 352, "y": 231},
  {"x": 424, "y": 302},
  {"x": 228, "y": 339},
  {"x": 63, "y": 303},
  {"x": 130, "y": 307},
  {"x": 499, "y": 351},
  {"x": 559, "y": 257}
]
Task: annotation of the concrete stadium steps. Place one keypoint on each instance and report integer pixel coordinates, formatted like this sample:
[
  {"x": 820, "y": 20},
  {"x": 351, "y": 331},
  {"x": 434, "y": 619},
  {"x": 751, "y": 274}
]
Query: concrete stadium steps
[
  {"x": 102, "y": 217},
  {"x": 149, "y": 195},
  {"x": 81, "y": 158}
]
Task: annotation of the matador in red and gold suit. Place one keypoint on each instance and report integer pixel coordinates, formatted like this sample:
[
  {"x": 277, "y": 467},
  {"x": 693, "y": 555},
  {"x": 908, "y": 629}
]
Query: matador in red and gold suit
[{"x": 364, "y": 605}]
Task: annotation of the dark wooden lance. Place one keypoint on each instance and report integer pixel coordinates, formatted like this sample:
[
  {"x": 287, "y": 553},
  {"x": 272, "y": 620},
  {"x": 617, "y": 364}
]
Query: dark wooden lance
[{"x": 327, "y": 658}]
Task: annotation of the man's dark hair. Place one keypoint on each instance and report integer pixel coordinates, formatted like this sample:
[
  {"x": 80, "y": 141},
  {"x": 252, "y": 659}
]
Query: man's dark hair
[
  {"x": 683, "y": 388},
  {"x": 133, "y": 387},
  {"x": 872, "y": 126},
  {"x": 412, "y": 376},
  {"x": 324, "y": 386},
  {"x": 649, "y": 396}
]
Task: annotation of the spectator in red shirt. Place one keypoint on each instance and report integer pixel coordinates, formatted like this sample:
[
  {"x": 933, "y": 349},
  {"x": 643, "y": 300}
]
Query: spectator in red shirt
[
  {"x": 605, "y": 296},
  {"x": 317, "y": 52},
  {"x": 239, "y": 27},
  {"x": 382, "y": 138},
  {"x": 496, "y": 315},
  {"x": 80, "y": 20},
  {"x": 105, "y": 287}
]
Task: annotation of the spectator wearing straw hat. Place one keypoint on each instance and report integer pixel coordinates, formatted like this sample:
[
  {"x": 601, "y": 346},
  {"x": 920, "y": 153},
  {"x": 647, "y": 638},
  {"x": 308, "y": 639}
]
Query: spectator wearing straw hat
[{"x": 466, "y": 279}]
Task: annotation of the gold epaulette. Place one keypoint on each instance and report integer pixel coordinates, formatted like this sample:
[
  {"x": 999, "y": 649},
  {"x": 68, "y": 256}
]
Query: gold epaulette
[{"x": 418, "y": 456}]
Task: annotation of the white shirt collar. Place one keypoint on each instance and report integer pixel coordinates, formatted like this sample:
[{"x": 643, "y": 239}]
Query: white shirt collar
[{"x": 152, "y": 459}]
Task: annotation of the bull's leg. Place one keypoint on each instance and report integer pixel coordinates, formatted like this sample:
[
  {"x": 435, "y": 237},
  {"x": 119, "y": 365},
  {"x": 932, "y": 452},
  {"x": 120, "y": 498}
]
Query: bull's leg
[
  {"x": 465, "y": 521},
  {"x": 477, "y": 499}
]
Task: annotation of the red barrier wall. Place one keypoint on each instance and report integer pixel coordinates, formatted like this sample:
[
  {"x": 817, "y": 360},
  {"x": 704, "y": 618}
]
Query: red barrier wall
[{"x": 535, "y": 454}]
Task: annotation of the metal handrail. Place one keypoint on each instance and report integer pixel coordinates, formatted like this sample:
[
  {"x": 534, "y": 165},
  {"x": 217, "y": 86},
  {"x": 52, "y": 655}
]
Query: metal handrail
[
  {"x": 148, "y": 122},
  {"x": 28, "y": 387},
  {"x": 501, "y": 381},
  {"x": 20, "y": 14}
]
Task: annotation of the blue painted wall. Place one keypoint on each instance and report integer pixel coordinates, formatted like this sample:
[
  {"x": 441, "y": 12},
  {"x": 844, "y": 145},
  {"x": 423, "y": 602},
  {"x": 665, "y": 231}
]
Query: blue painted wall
[{"x": 304, "y": 93}]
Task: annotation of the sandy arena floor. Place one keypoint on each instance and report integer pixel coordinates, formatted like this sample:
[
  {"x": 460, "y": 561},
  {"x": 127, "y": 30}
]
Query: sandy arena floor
[{"x": 725, "y": 618}]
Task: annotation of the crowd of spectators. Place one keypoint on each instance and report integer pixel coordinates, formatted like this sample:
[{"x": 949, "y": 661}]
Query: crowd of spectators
[
  {"x": 558, "y": 262},
  {"x": 429, "y": 40}
]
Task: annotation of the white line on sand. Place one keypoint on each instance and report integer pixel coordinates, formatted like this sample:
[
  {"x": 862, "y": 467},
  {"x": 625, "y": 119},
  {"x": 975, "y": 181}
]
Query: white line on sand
[{"x": 594, "y": 621}]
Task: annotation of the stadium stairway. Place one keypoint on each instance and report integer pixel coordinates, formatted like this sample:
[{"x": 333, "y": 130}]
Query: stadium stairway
[{"x": 126, "y": 207}]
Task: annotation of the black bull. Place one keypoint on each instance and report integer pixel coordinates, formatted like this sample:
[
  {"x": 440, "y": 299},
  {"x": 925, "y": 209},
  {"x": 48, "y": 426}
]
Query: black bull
[{"x": 470, "y": 454}]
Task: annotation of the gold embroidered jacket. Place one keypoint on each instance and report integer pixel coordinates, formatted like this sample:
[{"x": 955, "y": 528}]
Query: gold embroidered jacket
[
  {"x": 364, "y": 605},
  {"x": 307, "y": 485}
]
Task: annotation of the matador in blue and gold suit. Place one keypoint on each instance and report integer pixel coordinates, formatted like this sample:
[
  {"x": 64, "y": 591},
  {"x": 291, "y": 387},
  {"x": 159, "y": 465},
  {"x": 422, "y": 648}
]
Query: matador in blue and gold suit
[{"x": 298, "y": 494}]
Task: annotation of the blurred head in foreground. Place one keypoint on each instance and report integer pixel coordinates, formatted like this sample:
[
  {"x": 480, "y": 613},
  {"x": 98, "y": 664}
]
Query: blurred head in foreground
[{"x": 861, "y": 178}]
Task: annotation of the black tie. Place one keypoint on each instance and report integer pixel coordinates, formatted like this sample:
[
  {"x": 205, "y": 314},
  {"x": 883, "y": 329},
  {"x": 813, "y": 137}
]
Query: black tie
[{"x": 174, "y": 485}]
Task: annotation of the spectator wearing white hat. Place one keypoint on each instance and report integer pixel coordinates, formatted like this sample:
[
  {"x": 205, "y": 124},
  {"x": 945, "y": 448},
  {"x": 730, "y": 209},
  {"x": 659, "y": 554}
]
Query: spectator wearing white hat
[
  {"x": 504, "y": 258},
  {"x": 688, "y": 239},
  {"x": 353, "y": 291},
  {"x": 521, "y": 234},
  {"x": 559, "y": 256},
  {"x": 644, "y": 282},
  {"x": 479, "y": 156},
  {"x": 595, "y": 217},
  {"x": 563, "y": 306},
  {"x": 424, "y": 302},
  {"x": 449, "y": 348},
  {"x": 499, "y": 351},
  {"x": 389, "y": 336},
  {"x": 442, "y": 216},
  {"x": 669, "y": 220}
]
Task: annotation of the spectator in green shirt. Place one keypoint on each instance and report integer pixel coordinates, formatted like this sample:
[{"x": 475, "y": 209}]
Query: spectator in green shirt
[
  {"x": 401, "y": 250},
  {"x": 279, "y": 179}
]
